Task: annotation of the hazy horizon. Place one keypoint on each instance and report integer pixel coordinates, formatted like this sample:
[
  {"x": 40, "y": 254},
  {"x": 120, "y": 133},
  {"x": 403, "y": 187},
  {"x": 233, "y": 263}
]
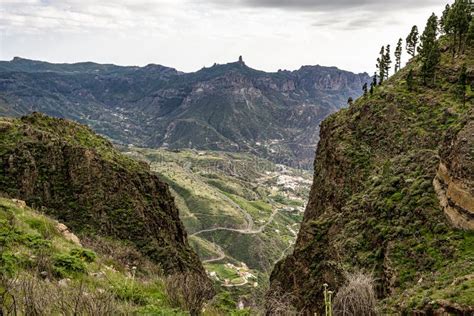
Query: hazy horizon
[{"x": 186, "y": 35}]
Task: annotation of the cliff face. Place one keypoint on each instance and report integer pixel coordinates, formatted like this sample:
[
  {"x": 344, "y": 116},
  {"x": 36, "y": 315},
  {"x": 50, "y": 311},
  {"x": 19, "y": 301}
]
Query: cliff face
[
  {"x": 392, "y": 182},
  {"x": 228, "y": 107},
  {"x": 64, "y": 169},
  {"x": 454, "y": 181}
]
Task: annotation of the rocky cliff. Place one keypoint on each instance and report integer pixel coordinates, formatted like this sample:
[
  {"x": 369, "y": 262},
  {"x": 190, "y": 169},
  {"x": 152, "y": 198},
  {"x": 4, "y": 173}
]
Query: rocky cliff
[
  {"x": 229, "y": 107},
  {"x": 77, "y": 177},
  {"x": 392, "y": 185},
  {"x": 454, "y": 181}
]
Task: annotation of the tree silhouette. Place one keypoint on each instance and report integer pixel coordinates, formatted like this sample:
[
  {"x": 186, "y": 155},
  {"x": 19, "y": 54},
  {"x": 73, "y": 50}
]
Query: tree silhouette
[
  {"x": 412, "y": 41},
  {"x": 398, "y": 55}
]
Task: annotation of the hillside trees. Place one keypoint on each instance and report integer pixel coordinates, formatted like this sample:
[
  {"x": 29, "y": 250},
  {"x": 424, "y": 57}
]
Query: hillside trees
[
  {"x": 398, "y": 55},
  {"x": 381, "y": 65},
  {"x": 455, "y": 22},
  {"x": 470, "y": 33},
  {"x": 412, "y": 41},
  {"x": 387, "y": 61},
  {"x": 429, "y": 50}
]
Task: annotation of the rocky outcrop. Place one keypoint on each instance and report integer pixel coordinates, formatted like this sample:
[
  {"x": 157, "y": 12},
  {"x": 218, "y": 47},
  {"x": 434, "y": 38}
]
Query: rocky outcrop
[
  {"x": 454, "y": 182},
  {"x": 77, "y": 177},
  {"x": 67, "y": 234}
]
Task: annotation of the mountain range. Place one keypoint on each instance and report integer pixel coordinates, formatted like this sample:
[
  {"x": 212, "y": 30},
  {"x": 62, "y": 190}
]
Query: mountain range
[{"x": 229, "y": 107}]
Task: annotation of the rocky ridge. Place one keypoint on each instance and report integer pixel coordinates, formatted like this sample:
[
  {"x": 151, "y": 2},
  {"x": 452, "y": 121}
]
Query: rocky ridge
[{"x": 229, "y": 107}]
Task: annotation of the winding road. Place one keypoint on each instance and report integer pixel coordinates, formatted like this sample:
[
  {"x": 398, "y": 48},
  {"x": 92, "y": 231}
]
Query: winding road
[{"x": 246, "y": 231}]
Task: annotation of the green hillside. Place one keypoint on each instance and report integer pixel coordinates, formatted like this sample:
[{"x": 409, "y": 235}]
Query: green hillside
[
  {"x": 46, "y": 270},
  {"x": 392, "y": 195}
]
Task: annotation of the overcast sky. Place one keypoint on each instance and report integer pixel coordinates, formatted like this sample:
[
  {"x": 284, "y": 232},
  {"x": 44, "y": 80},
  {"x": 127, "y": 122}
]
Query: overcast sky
[{"x": 190, "y": 34}]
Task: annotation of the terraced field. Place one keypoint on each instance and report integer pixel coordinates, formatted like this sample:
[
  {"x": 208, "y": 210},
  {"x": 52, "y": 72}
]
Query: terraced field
[{"x": 242, "y": 213}]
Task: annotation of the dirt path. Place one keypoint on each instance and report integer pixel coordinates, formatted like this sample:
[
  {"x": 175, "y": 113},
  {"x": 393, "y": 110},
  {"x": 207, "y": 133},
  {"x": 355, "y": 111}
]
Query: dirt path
[
  {"x": 219, "y": 251},
  {"x": 246, "y": 231}
]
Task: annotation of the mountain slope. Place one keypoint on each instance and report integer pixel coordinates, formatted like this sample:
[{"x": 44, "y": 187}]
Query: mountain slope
[
  {"x": 392, "y": 185},
  {"x": 79, "y": 178},
  {"x": 46, "y": 270},
  {"x": 227, "y": 107}
]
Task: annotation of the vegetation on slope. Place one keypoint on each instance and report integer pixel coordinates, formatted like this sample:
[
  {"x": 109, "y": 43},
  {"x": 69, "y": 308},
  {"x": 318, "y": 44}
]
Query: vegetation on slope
[
  {"x": 228, "y": 107},
  {"x": 242, "y": 212},
  {"x": 46, "y": 271},
  {"x": 373, "y": 205},
  {"x": 79, "y": 178}
]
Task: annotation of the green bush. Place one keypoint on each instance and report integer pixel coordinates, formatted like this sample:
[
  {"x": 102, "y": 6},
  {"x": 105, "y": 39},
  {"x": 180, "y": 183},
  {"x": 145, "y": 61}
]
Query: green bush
[
  {"x": 8, "y": 264},
  {"x": 65, "y": 265},
  {"x": 84, "y": 254},
  {"x": 130, "y": 291}
]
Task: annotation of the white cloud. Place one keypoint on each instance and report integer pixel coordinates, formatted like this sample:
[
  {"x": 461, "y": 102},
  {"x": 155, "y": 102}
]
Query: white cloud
[{"x": 189, "y": 34}]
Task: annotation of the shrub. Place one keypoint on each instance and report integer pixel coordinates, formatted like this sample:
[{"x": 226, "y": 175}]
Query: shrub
[
  {"x": 28, "y": 295},
  {"x": 279, "y": 303},
  {"x": 356, "y": 297},
  {"x": 65, "y": 265},
  {"x": 129, "y": 291},
  {"x": 84, "y": 254},
  {"x": 188, "y": 291}
]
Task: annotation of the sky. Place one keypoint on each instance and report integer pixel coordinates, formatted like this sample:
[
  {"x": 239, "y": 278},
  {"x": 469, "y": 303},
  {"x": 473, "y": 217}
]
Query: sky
[{"x": 191, "y": 34}]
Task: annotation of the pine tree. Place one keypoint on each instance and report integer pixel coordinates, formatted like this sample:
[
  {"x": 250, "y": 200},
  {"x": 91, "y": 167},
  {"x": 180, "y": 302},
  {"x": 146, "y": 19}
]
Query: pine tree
[
  {"x": 350, "y": 101},
  {"x": 444, "y": 25},
  {"x": 462, "y": 84},
  {"x": 373, "y": 84},
  {"x": 457, "y": 21},
  {"x": 398, "y": 55},
  {"x": 387, "y": 61},
  {"x": 410, "y": 80},
  {"x": 470, "y": 33},
  {"x": 381, "y": 65},
  {"x": 412, "y": 41},
  {"x": 429, "y": 50},
  {"x": 364, "y": 88}
]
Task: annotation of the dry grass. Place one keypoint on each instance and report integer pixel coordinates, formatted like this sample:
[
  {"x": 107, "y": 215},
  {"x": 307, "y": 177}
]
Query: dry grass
[
  {"x": 29, "y": 295},
  {"x": 124, "y": 256},
  {"x": 188, "y": 291},
  {"x": 356, "y": 297},
  {"x": 279, "y": 303}
]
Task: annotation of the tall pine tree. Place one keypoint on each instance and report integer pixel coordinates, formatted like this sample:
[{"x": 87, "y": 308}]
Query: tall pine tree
[
  {"x": 429, "y": 50},
  {"x": 387, "y": 61},
  {"x": 381, "y": 65},
  {"x": 398, "y": 55},
  {"x": 412, "y": 41},
  {"x": 457, "y": 24},
  {"x": 444, "y": 25},
  {"x": 470, "y": 33},
  {"x": 458, "y": 20}
]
